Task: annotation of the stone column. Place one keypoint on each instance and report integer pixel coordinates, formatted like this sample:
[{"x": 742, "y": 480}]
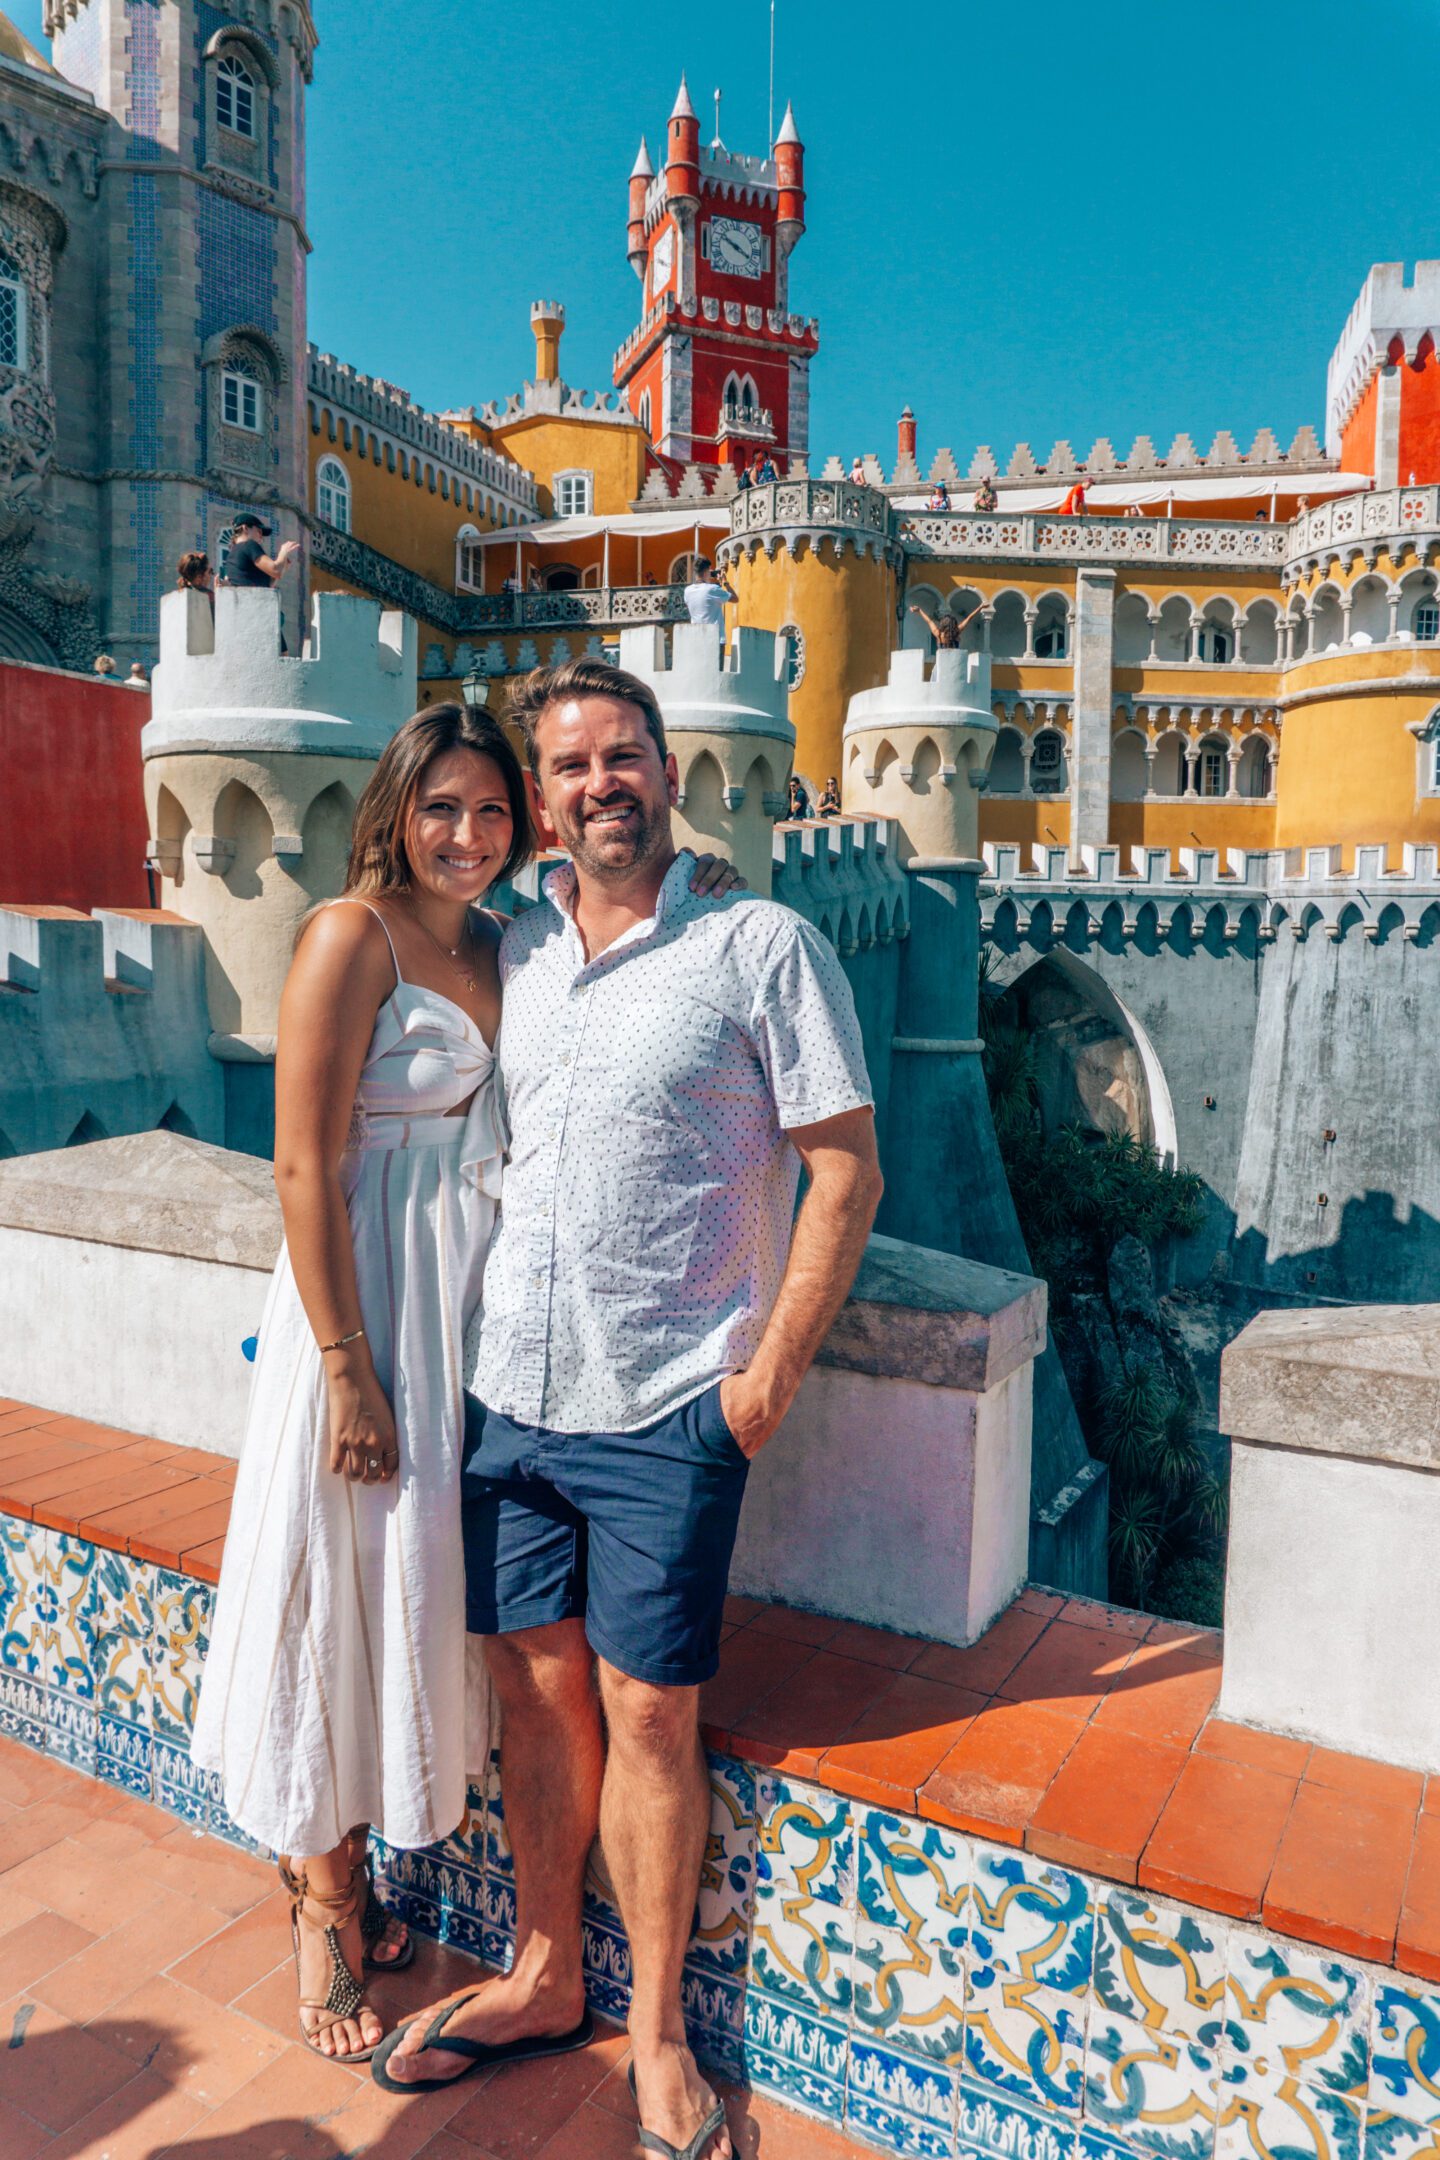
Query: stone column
[
  {"x": 1094, "y": 648},
  {"x": 1387, "y": 427},
  {"x": 1192, "y": 649},
  {"x": 987, "y": 616},
  {"x": 1393, "y": 601},
  {"x": 1152, "y": 657},
  {"x": 1030, "y": 615},
  {"x": 1232, "y": 774}
]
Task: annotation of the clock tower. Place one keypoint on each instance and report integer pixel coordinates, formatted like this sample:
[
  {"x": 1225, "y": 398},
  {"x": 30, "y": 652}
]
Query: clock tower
[{"x": 718, "y": 368}]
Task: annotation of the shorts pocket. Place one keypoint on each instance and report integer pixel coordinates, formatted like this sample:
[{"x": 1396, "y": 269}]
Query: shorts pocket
[{"x": 715, "y": 1428}]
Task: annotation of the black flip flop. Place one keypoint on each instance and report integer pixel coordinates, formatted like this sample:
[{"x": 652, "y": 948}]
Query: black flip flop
[
  {"x": 653, "y": 2142},
  {"x": 480, "y": 2056}
]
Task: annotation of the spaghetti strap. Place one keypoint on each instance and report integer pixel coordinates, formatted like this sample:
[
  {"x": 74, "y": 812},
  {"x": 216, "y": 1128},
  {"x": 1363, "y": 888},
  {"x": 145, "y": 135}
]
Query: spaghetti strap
[{"x": 354, "y": 900}]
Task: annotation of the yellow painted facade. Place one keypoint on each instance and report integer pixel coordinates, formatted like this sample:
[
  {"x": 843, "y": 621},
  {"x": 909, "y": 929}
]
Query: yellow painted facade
[{"x": 843, "y": 605}]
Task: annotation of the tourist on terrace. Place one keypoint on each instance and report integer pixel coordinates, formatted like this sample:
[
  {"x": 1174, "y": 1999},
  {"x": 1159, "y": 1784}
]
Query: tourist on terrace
[
  {"x": 939, "y": 497},
  {"x": 765, "y": 469},
  {"x": 246, "y": 562},
  {"x": 986, "y": 499},
  {"x": 706, "y": 594},
  {"x": 1074, "y": 503},
  {"x": 137, "y": 679},
  {"x": 669, "y": 1063},
  {"x": 742, "y": 478},
  {"x": 830, "y": 798},
  {"x": 945, "y": 629},
  {"x": 857, "y": 471},
  {"x": 336, "y": 1693},
  {"x": 193, "y": 571},
  {"x": 798, "y": 806},
  {"x": 103, "y": 663}
]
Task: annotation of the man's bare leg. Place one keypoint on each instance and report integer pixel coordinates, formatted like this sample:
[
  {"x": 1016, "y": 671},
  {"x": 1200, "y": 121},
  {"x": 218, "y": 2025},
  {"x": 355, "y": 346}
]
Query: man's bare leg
[
  {"x": 654, "y": 1818},
  {"x": 551, "y": 1755}
]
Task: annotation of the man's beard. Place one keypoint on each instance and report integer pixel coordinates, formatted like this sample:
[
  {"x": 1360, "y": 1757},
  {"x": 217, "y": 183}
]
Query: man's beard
[{"x": 610, "y": 853}]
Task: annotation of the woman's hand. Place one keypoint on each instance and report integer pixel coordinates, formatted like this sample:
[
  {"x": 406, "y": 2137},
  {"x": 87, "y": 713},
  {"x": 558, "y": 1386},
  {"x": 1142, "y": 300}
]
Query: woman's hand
[
  {"x": 716, "y": 874},
  {"x": 363, "y": 1445}
]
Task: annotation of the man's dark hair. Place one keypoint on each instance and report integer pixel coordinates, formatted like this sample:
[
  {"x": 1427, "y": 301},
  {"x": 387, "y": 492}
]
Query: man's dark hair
[
  {"x": 533, "y": 695},
  {"x": 702, "y": 562}
]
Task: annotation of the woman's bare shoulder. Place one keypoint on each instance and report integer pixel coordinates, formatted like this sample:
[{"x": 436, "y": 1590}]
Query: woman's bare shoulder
[{"x": 345, "y": 937}]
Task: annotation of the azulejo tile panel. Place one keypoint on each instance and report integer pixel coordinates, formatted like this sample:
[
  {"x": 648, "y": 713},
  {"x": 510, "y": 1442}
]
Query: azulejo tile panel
[{"x": 926, "y": 1992}]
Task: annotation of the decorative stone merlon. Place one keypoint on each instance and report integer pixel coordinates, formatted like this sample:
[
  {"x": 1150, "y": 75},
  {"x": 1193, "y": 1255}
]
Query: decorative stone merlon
[
  {"x": 710, "y": 687},
  {"x": 914, "y": 1314},
  {"x": 1332, "y": 1599}
]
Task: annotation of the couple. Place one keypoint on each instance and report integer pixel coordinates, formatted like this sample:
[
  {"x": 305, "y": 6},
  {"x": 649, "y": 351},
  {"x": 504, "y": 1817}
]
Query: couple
[{"x": 558, "y": 1467}]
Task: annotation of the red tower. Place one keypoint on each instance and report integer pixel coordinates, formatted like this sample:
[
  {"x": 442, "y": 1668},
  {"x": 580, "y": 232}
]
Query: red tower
[{"x": 718, "y": 367}]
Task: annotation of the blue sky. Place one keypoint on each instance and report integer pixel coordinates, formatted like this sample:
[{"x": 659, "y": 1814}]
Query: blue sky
[{"x": 1026, "y": 222}]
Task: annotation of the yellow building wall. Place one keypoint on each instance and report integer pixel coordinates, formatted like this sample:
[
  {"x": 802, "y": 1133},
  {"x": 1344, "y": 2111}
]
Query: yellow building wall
[
  {"x": 409, "y": 522},
  {"x": 1198, "y": 821},
  {"x": 1016, "y": 821},
  {"x": 547, "y": 445},
  {"x": 844, "y": 607},
  {"x": 1350, "y": 771}
]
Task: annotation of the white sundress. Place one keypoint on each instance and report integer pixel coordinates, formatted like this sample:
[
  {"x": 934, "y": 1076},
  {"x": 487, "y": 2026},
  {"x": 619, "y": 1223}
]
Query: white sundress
[{"x": 335, "y": 1691}]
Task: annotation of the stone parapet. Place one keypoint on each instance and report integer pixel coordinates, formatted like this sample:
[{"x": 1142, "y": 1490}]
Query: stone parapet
[{"x": 844, "y": 875}]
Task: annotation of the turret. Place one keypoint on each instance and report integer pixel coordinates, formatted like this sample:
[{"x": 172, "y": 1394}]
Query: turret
[
  {"x": 918, "y": 749},
  {"x": 790, "y": 176},
  {"x": 682, "y": 157},
  {"x": 642, "y": 172},
  {"x": 547, "y": 320}
]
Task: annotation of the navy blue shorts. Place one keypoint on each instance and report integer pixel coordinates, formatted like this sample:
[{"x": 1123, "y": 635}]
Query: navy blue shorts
[{"x": 630, "y": 1532}]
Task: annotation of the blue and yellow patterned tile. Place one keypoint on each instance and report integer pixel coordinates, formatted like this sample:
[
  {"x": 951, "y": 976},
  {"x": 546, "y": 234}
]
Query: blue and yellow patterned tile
[
  {"x": 898, "y": 2104},
  {"x": 1090, "y": 2145},
  {"x": 1026, "y": 2039},
  {"x": 801, "y": 1948},
  {"x": 27, "y": 1604},
  {"x": 806, "y": 1836},
  {"x": 470, "y": 1834},
  {"x": 714, "y": 2011},
  {"x": 72, "y": 1730},
  {"x": 463, "y": 1931},
  {"x": 720, "y": 1938},
  {"x": 1160, "y": 1966},
  {"x": 1303, "y": 2122},
  {"x": 178, "y": 1647},
  {"x": 602, "y": 1902},
  {"x": 908, "y": 1994},
  {"x": 123, "y": 1755},
  {"x": 70, "y": 1570},
  {"x": 912, "y": 1875},
  {"x": 499, "y": 1860},
  {"x": 799, "y": 2058},
  {"x": 1032, "y": 1919},
  {"x": 22, "y": 1709},
  {"x": 124, "y": 1626},
  {"x": 1405, "y": 2059},
  {"x": 990, "y": 2128},
  {"x": 180, "y": 1786},
  {"x": 1292, "y": 2013},
  {"x": 1150, "y": 2089},
  {"x": 605, "y": 1954},
  {"x": 1394, "y": 2137}
]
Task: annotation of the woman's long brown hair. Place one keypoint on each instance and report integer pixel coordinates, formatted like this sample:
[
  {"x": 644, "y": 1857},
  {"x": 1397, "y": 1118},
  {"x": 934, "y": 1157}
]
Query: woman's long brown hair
[{"x": 378, "y": 861}]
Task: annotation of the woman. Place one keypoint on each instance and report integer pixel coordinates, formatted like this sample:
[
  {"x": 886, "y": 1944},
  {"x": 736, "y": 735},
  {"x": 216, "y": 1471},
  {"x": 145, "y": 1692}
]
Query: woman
[
  {"x": 945, "y": 629},
  {"x": 193, "y": 570},
  {"x": 335, "y": 1690}
]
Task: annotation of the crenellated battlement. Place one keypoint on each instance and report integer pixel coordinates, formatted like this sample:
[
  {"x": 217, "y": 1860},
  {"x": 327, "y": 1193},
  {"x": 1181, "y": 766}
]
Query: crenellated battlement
[
  {"x": 385, "y": 406},
  {"x": 223, "y": 683},
  {"x": 844, "y": 876}
]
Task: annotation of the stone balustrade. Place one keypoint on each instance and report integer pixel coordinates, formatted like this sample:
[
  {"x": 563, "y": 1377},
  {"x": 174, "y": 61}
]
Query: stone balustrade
[{"x": 1028, "y": 537}]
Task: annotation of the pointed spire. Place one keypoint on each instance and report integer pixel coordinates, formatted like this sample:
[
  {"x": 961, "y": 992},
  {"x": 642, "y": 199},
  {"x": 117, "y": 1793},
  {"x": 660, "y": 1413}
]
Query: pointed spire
[
  {"x": 788, "y": 131},
  {"x": 684, "y": 110},
  {"x": 642, "y": 169}
]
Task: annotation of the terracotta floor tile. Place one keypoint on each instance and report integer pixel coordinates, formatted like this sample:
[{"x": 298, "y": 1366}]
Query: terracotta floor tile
[
  {"x": 200, "y": 2048},
  {"x": 37, "y": 1946},
  {"x": 18, "y": 1911},
  {"x": 1363, "y": 1779},
  {"x": 21, "y": 2137},
  {"x": 395, "y": 2126},
  {"x": 1430, "y": 1805},
  {"x": 875, "y": 1646},
  {"x": 296, "y": 2088},
  {"x": 177, "y": 1496},
  {"x": 200, "y": 1867},
  {"x": 515, "y": 2113},
  {"x": 795, "y": 1724},
  {"x": 105, "y": 1971},
  {"x": 199, "y": 1526},
  {"x": 803, "y": 1627},
  {"x": 444, "y": 2146},
  {"x": 994, "y": 1779},
  {"x": 83, "y": 1887},
  {"x": 740, "y": 1609},
  {"x": 1244, "y": 1744},
  {"x": 1114, "y": 1619},
  {"x": 26, "y": 1777},
  {"x": 1417, "y": 1940},
  {"x": 144, "y": 2118},
  {"x": 594, "y": 2133},
  {"x": 89, "y": 1494},
  {"x": 37, "y": 1828},
  {"x": 1069, "y": 1670},
  {"x": 79, "y": 1428},
  {"x": 986, "y": 1663},
  {"x": 203, "y": 1561},
  {"x": 1215, "y": 1843},
  {"x": 237, "y": 1953},
  {"x": 1105, "y": 1802},
  {"x": 48, "y": 1467},
  {"x": 750, "y": 1666},
  {"x": 1034, "y": 1599},
  {"x": 1339, "y": 1875},
  {"x": 896, "y": 1743},
  {"x": 1180, "y": 1635},
  {"x": 53, "y": 2070},
  {"x": 1163, "y": 1694}
]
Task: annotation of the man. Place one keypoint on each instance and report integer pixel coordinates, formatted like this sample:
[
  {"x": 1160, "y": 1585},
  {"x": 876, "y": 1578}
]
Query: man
[
  {"x": 246, "y": 562},
  {"x": 652, "y": 1303},
  {"x": 706, "y": 594}
]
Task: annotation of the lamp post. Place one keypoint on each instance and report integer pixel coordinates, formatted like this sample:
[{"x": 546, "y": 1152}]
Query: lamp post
[{"x": 475, "y": 689}]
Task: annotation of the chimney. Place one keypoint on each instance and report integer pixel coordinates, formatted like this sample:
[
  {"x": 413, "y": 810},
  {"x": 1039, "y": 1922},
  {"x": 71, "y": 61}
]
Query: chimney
[
  {"x": 547, "y": 320},
  {"x": 906, "y": 436}
]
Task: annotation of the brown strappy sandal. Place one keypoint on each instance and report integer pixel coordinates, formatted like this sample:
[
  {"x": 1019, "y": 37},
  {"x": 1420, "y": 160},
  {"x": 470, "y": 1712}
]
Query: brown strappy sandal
[
  {"x": 374, "y": 1919},
  {"x": 345, "y": 1997}
]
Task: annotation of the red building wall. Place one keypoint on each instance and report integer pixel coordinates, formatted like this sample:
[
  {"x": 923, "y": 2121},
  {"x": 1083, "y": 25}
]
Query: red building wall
[
  {"x": 1420, "y": 418},
  {"x": 72, "y": 803}
]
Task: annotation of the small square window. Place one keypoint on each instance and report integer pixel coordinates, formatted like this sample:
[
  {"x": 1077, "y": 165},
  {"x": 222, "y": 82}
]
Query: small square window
[
  {"x": 1427, "y": 622},
  {"x": 240, "y": 401}
]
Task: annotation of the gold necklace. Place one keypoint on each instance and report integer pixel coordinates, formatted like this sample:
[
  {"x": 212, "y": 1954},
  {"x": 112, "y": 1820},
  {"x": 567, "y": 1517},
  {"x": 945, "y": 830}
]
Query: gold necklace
[{"x": 450, "y": 954}]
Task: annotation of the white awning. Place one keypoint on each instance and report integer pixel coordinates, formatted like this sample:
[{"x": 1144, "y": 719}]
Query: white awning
[
  {"x": 1153, "y": 494},
  {"x": 625, "y": 524}
]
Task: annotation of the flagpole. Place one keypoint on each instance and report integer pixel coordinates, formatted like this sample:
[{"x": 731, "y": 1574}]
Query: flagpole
[{"x": 772, "y": 70}]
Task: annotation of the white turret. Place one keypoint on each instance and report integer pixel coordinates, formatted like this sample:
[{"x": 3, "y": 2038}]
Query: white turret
[{"x": 918, "y": 750}]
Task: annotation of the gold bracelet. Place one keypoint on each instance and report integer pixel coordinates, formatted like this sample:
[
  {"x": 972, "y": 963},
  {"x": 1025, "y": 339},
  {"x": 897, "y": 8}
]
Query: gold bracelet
[{"x": 340, "y": 1342}]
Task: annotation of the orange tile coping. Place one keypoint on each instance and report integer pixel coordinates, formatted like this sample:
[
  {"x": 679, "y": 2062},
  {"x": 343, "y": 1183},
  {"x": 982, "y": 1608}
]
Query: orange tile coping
[{"x": 1083, "y": 1732}]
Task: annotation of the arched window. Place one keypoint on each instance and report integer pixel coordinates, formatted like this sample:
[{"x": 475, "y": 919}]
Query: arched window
[
  {"x": 240, "y": 405},
  {"x": 682, "y": 570},
  {"x": 1007, "y": 766},
  {"x": 1427, "y": 622},
  {"x": 14, "y": 312},
  {"x": 1052, "y": 630},
  {"x": 795, "y": 654},
  {"x": 1212, "y": 769},
  {"x": 235, "y": 97},
  {"x": 643, "y": 413},
  {"x": 574, "y": 492},
  {"x": 1217, "y": 643},
  {"x": 732, "y": 396},
  {"x": 332, "y": 493},
  {"x": 469, "y": 560},
  {"x": 1047, "y": 763}
]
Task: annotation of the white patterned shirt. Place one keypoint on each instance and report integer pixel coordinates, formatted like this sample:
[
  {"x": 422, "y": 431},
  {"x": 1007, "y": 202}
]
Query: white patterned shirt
[{"x": 649, "y": 1193}]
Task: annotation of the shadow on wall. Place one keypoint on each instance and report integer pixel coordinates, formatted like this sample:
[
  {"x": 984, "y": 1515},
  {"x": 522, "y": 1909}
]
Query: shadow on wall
[{"x": 1385, "y": 1254}]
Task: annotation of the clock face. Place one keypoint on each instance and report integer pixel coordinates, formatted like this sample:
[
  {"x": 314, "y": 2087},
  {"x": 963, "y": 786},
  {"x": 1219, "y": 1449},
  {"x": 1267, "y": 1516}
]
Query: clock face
[
  {"x": 736, "y": 247},
  {"x": 662, "y": 262}
]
